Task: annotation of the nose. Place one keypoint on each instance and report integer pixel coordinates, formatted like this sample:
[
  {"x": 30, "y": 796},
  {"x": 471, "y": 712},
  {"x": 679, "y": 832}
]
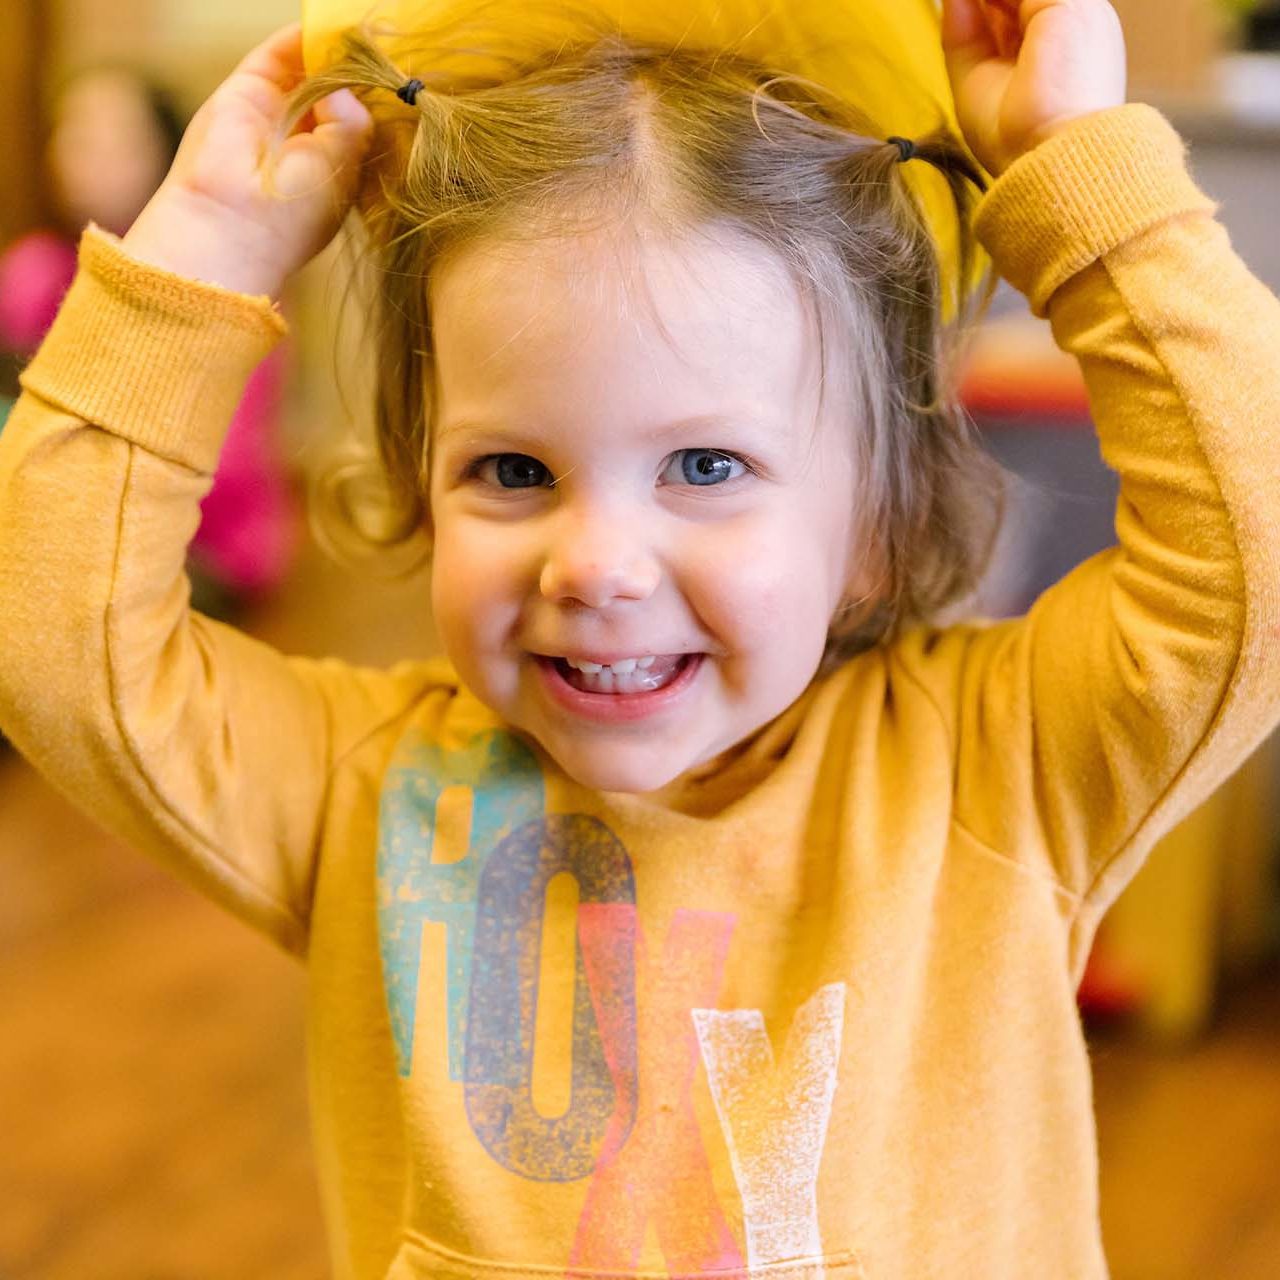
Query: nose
[{"x": 597, "y": 559}]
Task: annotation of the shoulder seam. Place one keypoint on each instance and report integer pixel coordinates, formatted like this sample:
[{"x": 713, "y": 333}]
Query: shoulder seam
[
  {"x": 938, "y": 711},
  {"x": 1049, "y": 881}
]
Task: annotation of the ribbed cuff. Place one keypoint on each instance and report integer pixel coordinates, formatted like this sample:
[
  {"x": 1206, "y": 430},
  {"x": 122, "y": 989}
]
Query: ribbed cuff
[
  {"x": 1083, "y": 192},
  {"x": 151, "y": 356}
]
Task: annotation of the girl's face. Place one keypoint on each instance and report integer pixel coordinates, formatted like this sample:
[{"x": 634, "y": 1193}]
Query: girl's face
[{"x": 628, "y": 464}]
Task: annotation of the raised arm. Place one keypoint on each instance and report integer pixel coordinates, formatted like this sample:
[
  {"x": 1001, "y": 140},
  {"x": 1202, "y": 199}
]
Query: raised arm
[
  {"x": 1143, "y": 679},
  {"x": 1136, "y": 685},
  {"x": 198, "y": 744},
  {"x": 201, "y": 746}
]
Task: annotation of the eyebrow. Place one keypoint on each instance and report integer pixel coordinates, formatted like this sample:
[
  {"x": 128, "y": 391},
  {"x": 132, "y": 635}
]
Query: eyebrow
[{"x": 679, "y": 426}]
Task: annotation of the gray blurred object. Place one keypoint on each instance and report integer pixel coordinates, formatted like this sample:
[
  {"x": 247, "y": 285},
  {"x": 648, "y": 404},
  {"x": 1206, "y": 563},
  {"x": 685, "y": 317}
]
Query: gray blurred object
[{"x": 1061, "y": 510}]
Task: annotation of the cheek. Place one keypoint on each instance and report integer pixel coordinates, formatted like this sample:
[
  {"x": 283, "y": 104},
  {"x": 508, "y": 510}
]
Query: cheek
[
  {"x": 764, "y": 588},
  {"x": 477, "y": 586}
]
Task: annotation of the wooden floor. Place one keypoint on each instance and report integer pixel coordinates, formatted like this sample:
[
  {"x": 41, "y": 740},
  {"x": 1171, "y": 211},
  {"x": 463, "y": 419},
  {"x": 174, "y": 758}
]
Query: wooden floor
[{"x": 152, "y": 1103}]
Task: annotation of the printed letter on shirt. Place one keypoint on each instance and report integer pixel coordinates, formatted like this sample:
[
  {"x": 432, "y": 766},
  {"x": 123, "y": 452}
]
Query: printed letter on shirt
[{"x": 775, "y": 1117}]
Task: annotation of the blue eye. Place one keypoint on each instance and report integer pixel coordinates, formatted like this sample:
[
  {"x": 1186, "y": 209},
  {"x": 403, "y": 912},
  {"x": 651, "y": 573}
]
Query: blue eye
[{"x": 707, "y": 466}]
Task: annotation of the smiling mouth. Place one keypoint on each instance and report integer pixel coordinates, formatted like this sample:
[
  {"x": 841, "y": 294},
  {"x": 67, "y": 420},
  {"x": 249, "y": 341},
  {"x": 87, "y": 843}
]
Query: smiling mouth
[{"x": 660, "y": 672}]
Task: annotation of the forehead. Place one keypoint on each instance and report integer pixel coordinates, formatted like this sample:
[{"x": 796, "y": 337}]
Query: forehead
[{"x": 625, "y": 321}]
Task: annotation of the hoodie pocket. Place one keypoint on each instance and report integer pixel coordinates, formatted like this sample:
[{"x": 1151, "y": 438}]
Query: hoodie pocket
[{"x": 420, "y": 1259}]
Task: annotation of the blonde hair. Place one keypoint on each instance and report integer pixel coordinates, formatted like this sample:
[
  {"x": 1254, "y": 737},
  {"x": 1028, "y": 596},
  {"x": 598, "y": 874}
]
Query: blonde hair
[{"x": 607, "y": 128}]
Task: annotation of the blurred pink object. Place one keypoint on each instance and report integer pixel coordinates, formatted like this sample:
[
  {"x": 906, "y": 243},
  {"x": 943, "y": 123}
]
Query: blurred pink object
[
  {"x": 35, "y": 273},
  {"x": 250, "y": 524},
  {"x": 249, "y": 533}
]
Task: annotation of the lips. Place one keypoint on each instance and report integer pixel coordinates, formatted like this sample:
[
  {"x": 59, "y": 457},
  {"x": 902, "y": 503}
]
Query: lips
[{"x": 618, "y": 706}]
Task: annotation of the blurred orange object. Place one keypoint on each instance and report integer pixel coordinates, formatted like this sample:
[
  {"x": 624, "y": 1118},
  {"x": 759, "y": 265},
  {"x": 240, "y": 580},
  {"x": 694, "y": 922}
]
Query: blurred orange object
[
  {"x": 1111, "y": 987},
  {"x": 1014, "y": 368}
]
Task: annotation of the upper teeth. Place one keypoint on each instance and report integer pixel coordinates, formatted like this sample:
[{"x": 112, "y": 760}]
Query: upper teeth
[{"x": 621, "y": 668}]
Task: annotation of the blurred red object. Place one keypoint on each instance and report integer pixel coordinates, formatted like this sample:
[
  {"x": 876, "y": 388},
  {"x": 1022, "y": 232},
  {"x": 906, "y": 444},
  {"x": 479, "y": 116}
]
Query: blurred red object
[
  {"x": 1108, "y": 989},
  {"x": 1014, "y": 369}
]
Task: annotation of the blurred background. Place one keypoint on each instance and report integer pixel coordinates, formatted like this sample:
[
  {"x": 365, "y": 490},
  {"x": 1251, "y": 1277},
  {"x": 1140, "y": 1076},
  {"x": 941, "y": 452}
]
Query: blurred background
[{"x": 152, "y": 1097}]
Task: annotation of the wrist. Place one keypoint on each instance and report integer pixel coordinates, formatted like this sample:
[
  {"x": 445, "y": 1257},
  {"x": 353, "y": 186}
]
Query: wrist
[
  {"x": 178, "y": 233},
  {"x": 1055, "y": 127}
]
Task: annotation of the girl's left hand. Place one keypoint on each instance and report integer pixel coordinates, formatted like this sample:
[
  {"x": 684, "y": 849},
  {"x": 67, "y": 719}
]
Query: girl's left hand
[{"x": 1021, "y": 72}]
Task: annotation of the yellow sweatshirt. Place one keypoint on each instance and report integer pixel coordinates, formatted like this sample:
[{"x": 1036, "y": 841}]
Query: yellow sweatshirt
[{"x": 812, "y": 1015}]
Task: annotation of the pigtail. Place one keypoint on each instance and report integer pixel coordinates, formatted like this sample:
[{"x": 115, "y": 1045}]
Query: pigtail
[{"x": 933, "y": 498}]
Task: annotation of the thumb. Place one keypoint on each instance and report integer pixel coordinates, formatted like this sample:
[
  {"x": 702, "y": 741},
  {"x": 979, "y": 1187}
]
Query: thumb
[{"x": 343, "y": 127}]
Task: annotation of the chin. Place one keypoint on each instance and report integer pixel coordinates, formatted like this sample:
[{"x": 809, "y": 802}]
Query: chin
[{"x": 603, "y": 770}]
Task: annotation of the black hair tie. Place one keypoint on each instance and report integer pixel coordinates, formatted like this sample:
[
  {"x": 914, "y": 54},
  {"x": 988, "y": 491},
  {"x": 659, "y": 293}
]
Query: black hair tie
[
  {"x": 906, "y": 148},
  {"x": 408, "y": 92}
]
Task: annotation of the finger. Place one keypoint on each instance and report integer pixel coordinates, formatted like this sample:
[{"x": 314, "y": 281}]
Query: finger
[
  {"x": 277, "y": 59},
  {"x": 966, "y": 37},
  {"x": 342, "y": 107},
  {"x": 1006, "y": 26},
  {"x": 308, "y": 162},
  {"x": 344, "y": 127},
  {"x": 963, "y": 23}
]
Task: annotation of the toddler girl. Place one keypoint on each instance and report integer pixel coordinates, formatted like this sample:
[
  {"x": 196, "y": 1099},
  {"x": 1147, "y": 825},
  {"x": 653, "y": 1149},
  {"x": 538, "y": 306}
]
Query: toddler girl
[{"x": 712, "y": 909}]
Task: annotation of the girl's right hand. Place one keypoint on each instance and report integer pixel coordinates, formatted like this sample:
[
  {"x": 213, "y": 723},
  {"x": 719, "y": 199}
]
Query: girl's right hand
[{"x": 216, "y": 217}]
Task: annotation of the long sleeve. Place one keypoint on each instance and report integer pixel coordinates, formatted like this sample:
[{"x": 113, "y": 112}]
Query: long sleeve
[
  {"x": 1136, "y": 685},
  {"x": 197, "y": 744}
]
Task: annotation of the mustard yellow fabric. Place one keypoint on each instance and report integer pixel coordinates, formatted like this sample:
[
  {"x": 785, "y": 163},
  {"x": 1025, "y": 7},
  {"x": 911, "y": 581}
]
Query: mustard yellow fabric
[
  {"x": 812, "y": 1014},
  {"x": 882, "y": 56}
]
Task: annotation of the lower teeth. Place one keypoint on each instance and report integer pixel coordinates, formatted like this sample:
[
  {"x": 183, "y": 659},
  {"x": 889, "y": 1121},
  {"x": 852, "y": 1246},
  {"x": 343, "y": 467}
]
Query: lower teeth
[{"x": 663, "y": 671}]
